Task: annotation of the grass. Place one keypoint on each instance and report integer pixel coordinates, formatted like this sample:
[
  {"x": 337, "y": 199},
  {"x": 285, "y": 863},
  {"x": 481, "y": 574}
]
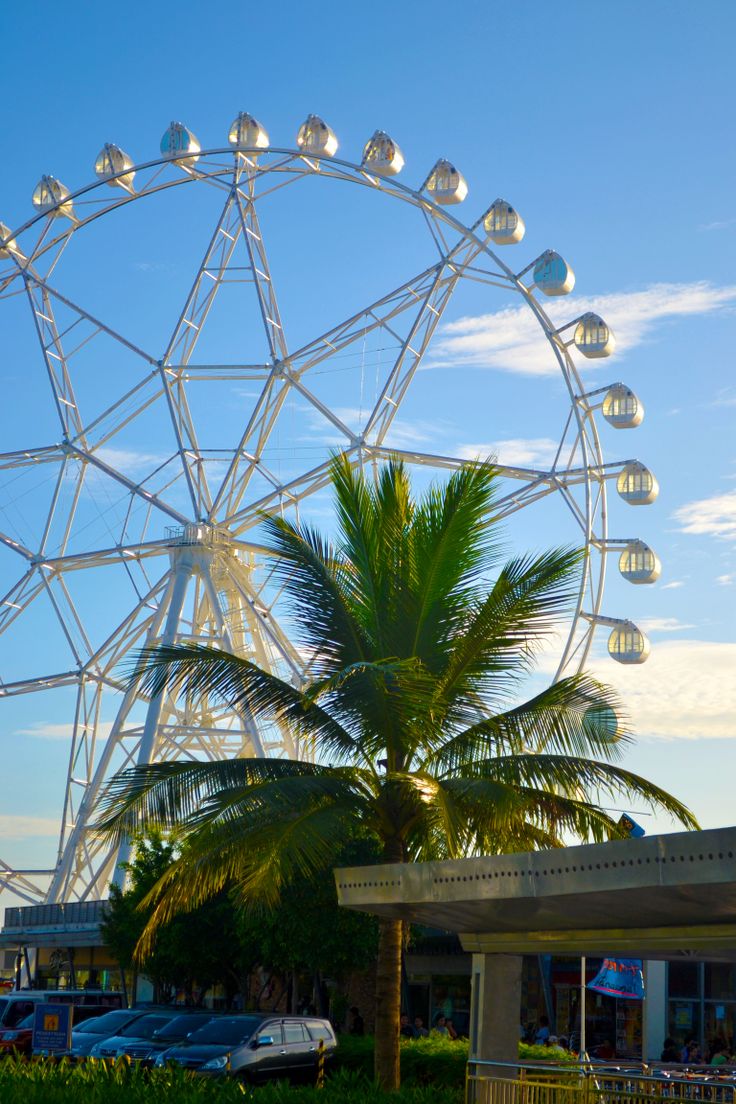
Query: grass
[
  {"x": 432, "y": 1072},
  {"x": 43, "y": 1082}
]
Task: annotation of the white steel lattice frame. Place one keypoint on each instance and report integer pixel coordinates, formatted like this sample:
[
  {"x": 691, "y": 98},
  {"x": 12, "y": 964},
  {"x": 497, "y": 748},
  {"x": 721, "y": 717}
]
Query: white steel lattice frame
[{"x": 208, "y": 552}]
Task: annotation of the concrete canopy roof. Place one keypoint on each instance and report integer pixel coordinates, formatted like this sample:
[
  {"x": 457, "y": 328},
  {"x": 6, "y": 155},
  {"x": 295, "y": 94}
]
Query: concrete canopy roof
[{"x": 660, "y": 896}]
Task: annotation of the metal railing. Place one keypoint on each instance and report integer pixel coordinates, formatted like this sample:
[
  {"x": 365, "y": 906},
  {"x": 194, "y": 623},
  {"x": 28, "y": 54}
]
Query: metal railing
[{"x": 524, "y": 1083}]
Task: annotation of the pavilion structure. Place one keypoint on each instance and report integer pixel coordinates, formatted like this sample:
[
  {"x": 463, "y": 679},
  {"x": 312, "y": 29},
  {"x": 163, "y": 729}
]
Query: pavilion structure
[{"x": 656, "y": 898}]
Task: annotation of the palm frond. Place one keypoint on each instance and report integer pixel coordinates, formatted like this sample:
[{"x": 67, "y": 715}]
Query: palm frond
[
  {"x": 557, "y": 815},
  {"x": 587, "y": 779},
  {"x": 454, "y": 543},
  {"x": 577, "y": 715},
  {"x": 255, "y": 863},
  {"x": 198, "y": 670},
  {"x": 166, "y": 796},
  {"x": 314, "y": 577}
]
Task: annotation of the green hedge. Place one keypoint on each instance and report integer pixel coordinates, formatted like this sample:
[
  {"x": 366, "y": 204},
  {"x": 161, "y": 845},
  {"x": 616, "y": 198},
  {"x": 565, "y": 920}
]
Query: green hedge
[
  {"x": 47, "y": 1083},
  {"x": 435, "y": 1060}
]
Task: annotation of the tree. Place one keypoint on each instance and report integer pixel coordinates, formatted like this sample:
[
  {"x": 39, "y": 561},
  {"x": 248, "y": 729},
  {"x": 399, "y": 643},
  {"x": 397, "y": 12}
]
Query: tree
[
  {"x": 308, "y": 932},
  {"x": 420, "y": 638},
  {"x": 206, "y": 947}
]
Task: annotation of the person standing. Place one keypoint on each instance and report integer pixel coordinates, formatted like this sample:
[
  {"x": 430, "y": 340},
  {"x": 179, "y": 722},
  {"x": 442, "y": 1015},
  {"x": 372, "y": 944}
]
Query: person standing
[
  {"x": 357, "y": 1026},
  {"x": 541, "y": 1037}
]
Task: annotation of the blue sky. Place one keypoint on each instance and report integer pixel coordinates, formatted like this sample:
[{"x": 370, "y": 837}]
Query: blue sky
[{"x": 607, "y": 126}]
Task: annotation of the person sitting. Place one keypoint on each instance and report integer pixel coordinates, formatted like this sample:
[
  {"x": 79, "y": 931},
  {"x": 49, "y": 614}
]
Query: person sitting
[
  {"x": 670, "y": 1051},
  {"x": 451, "y": 1031},
  {"x": 693, "y": 1053},
  {"x": 420, "y": 1031},
  {"x": 440, "y": 1025},
  {"x": 719, "y": 1055},
  {"x": 405, "y": 1027}
]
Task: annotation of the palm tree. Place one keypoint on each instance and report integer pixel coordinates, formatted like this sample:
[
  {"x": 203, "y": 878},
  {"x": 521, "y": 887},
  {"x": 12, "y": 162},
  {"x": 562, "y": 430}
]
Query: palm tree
[{"x": 419, "y": 638}]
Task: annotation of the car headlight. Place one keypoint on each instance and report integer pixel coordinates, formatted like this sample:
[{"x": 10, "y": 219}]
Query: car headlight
[
  {"x": 161, "y": 1060},
  {"x": 219, "y": 1063}
]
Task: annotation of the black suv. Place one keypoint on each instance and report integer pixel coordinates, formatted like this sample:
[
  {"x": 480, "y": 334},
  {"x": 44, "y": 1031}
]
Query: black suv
[{"x": 255, "y": 1047}]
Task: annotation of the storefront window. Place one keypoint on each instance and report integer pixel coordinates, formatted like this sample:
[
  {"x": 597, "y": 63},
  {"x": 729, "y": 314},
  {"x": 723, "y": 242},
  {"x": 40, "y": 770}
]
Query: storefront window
[
  {"x": 451, "y": 998},
  {"x": 684, "y": 979},
  {"x": 720, "y": 981},
  {"x": 719, "y": 1021}
]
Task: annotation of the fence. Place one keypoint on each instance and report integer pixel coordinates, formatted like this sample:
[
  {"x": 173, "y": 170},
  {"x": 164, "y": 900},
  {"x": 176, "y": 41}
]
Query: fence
[{"x": 499, "y": 1083}]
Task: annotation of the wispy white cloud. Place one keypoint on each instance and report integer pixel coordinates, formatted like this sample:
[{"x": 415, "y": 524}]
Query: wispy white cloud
[
  {"x": 23, "y": 827},
  {"x": 685, "y": 690},
  {"x": 510, "y": 339},
  {"x": 662, "y": 625},
  {"x": 718, "y": 224},
  {"x": 714, "y": 516},
  {"x": 52, "y": 730},
  {"x": 420, "y": 434},
  {"x": 153, "y": 266},
  {"x": 726, "y": 580},
  {"x": 726, "y": 396},
  {"x": 674, "y": 585},
  {"x": 525, "y": 452},
  {"x": 130, "y": 461}
]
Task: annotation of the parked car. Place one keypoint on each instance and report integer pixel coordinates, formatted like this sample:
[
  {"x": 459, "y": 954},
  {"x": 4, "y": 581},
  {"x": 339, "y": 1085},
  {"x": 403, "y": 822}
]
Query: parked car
[
  {"x": 141, "y": 1029},
  {"x": 175, "y": 1031},
  {"x": 19, "y": 1040},
  {"x": 255, "y": 1047},
  {"x": 94, "y": 1031}
]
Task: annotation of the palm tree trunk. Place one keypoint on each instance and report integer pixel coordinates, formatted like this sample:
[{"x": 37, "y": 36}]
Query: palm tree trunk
[{"x": 388, "y": 1004}]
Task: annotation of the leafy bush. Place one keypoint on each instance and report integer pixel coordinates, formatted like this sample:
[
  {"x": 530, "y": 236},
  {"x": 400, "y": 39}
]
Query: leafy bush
[
  {"x": 435, "y": 1060},
  {"x": 530, "y": 1052},
  {"x": 43, "y": 1082}
]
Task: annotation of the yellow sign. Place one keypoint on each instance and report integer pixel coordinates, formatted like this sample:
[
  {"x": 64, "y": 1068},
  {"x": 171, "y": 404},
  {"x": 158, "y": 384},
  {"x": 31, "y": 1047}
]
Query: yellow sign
[{"x": 51, "y": 1023}]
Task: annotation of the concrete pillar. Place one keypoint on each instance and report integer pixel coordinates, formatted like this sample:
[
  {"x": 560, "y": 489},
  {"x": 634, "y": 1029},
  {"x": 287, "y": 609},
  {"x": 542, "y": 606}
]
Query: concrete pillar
[
  {"x": 654, "y": 1012},
  {"x": 495, "y": 1008}
]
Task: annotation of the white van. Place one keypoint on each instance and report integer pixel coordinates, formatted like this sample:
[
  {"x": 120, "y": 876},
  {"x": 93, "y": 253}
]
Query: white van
[{"x": 16, "y": 1005}]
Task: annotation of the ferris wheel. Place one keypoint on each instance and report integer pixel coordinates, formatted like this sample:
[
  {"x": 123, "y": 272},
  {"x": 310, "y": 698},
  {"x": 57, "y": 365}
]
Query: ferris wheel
[{"x": 167, "y": 532}]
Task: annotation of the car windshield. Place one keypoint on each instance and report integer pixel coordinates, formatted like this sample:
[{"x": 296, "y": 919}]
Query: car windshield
[
  {"x": 181, "y": 1026},
  {"x": 3, "y": 1005},
  {"x": 27, "y": 1022},
  {"x": 145, "y": 1027},
  {"x": 227, "y": 1031},
  {"x": 108, "y": 1024}
]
